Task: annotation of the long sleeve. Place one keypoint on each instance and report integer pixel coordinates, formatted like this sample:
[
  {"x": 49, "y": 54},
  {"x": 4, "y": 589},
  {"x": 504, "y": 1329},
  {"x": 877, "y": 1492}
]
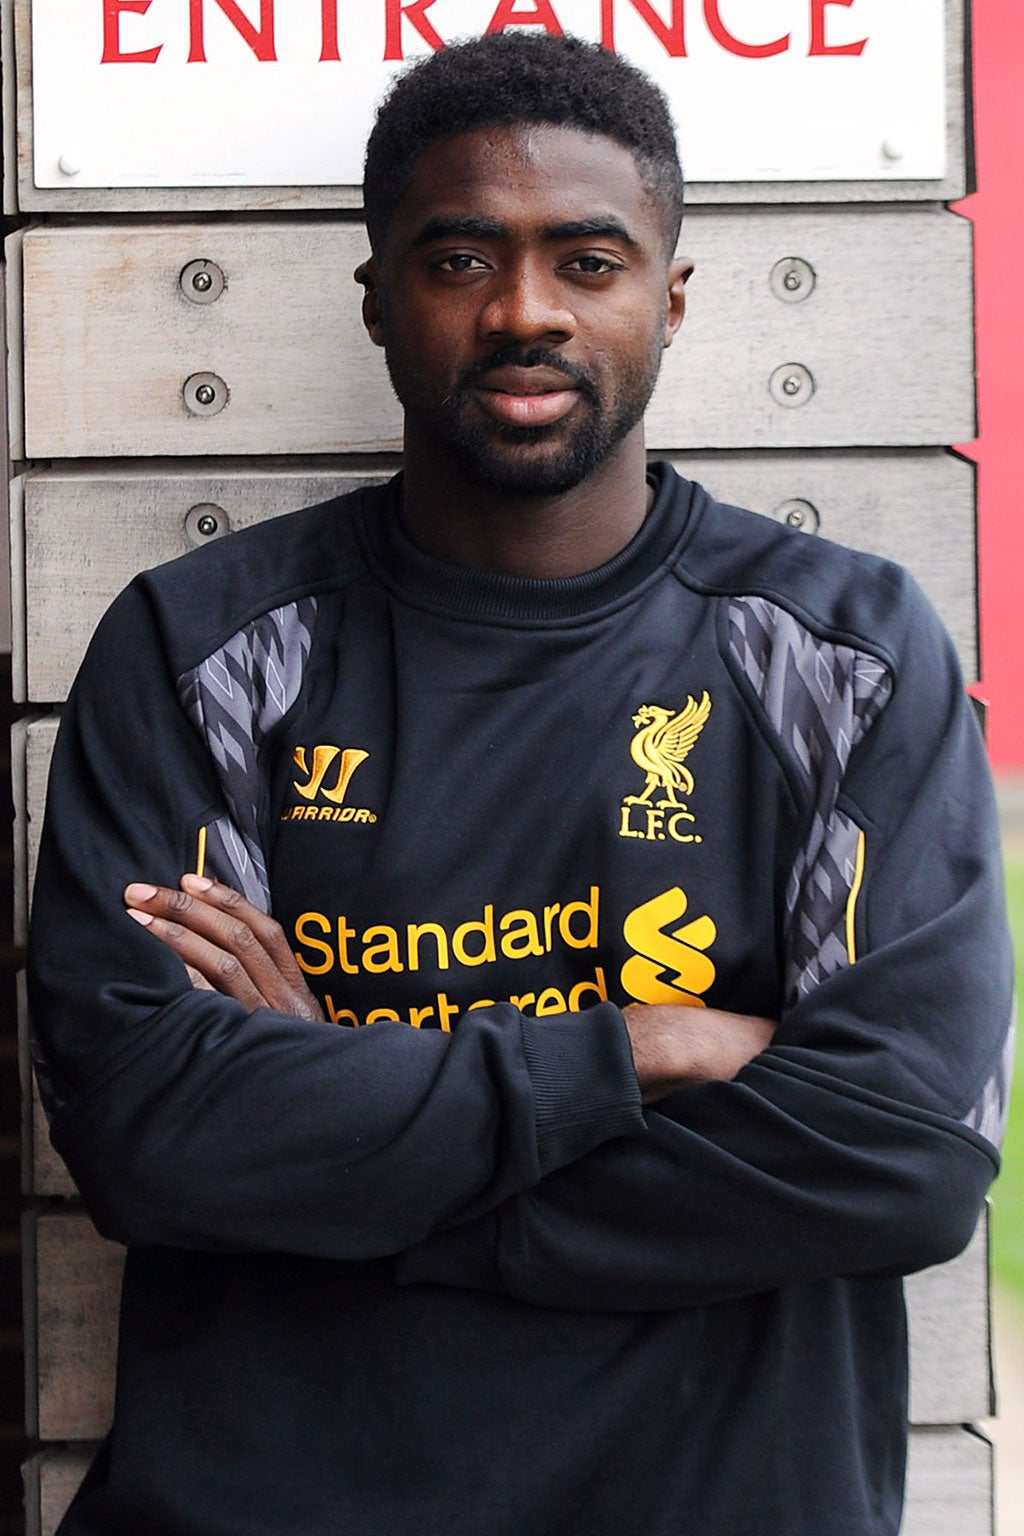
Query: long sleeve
[
  {"x": 186, "y": 1121},
  {"x": 862, "y": 1141}
]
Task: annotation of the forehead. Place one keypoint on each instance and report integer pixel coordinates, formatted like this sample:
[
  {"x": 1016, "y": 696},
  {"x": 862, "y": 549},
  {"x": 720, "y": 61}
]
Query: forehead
[{"x": 527, "y": 176}]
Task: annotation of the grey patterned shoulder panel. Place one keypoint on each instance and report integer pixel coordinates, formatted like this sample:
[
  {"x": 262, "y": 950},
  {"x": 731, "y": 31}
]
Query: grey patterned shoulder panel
[
  {"x": 234, "y": 699},
  {"x": 822, "y": 699}
]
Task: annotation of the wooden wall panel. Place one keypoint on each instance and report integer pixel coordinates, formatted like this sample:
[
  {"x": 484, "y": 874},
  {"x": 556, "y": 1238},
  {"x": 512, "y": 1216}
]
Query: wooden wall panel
[
  {"x": 949, "y": 1320},
  {"x": 21, "y": 192},
  {"x": 85, "y": 535},
  {"x": 111, "y": 342},
  {"x": 73, "y": 1287},
  {"x": 949, "y": 1484},
  {"x": 52, "y": 1478}
]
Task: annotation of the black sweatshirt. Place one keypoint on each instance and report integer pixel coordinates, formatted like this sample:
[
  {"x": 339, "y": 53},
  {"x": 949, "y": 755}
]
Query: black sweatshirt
[{"x": 429, "y": 1266}]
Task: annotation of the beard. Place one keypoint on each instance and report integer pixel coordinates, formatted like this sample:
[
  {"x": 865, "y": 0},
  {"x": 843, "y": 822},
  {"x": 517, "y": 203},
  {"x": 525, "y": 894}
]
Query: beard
[{"x": 527, "y": 461}]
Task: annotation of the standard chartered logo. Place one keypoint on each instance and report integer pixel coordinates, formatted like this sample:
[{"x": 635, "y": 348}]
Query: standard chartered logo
[{"x": 669, "y": 963}]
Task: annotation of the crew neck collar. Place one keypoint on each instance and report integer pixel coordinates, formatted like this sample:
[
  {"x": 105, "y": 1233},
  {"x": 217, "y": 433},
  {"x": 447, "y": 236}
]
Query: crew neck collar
[{"x": 471, "y": 593}]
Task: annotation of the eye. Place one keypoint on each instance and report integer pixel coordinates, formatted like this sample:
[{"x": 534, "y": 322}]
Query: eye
[
  {"x": 593, "y": 265},
  {"x": 461, "y": 261}
]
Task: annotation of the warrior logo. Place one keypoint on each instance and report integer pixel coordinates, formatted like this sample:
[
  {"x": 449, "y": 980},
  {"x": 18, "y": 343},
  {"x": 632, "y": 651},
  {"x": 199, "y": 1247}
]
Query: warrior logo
[
  {"x": 315, "y": 791},
  {"x": 660, "y": 747},
  {"x": 669, "y": 964},
  {"x": 323, "y": 758}
]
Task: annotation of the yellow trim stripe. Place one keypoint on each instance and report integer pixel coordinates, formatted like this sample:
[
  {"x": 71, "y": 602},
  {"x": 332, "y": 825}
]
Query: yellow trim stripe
[
  {"x": 851, "y": 905},
  {"x": 201, "y": 854}
]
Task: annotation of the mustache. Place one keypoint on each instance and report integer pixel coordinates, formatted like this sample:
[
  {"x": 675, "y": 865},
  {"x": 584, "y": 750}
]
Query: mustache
[{"x": 534, "y": 357}]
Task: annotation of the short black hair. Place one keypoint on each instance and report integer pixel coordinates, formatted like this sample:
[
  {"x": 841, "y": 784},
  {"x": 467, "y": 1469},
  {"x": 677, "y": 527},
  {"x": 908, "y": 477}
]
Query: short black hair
[{"x": 511, "y": 78}]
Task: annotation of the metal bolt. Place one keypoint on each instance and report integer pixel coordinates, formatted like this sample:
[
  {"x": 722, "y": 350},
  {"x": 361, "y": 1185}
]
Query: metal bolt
[
  {"x": 202, "y": 281},
  {"x": 206, "y": 521},
  {"x": 791, "y": 385},
  {"x": 799, "y": 514},
  {"x": 205, "y": 394},
  {"x": 792, "y": 280},
  {"x": 69, "y": 164}
]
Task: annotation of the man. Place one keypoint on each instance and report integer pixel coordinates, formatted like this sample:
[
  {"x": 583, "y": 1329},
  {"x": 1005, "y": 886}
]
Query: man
[{"x": 523, "y": 739}]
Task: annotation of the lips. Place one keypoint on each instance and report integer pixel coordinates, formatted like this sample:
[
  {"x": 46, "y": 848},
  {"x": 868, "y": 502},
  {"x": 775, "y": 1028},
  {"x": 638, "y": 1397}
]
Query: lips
[{"x": 526, "y": 397}]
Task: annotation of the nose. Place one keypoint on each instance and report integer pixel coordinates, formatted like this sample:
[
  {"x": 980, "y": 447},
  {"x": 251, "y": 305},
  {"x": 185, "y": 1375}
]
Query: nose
[{"x": 527, "y": 304}]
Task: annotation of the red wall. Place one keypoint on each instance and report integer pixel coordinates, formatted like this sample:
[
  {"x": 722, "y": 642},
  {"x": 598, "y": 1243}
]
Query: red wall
[{"x": 998, "y": 215}]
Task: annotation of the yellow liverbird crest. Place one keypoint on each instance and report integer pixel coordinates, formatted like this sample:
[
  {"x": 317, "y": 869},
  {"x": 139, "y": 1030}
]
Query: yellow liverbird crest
[{"x": 661, "y": 746}]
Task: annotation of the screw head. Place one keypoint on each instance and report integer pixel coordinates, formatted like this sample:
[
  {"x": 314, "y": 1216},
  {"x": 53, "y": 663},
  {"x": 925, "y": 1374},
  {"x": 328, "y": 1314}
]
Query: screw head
[
  {"x": 791, "y": 385},
  {"x": 205, "y": 394},
  {"x": 801, "y": 514},
  {"x": 202, "y": 281},
  {"x": 792, "y": 280},
  {"x": 206, "y": 522}
]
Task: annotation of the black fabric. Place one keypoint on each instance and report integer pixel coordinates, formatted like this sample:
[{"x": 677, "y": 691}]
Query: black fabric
[{"x": 450, "y": 1277}]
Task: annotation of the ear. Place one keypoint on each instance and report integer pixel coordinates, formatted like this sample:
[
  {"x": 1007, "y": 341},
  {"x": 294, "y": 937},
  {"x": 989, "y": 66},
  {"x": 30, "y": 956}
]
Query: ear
[
  {"x": 679, "y": 272},
  {"x": 367, "y": 274}
]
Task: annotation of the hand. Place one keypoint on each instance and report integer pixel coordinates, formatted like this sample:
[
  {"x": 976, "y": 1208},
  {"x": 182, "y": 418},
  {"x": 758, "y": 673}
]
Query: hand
[
  {"x": 674, "y": 1047},
  {"x": 228, "y": 946}
]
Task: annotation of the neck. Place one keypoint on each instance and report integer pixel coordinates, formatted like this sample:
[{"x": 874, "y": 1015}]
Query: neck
[{"x": 543, "y": 537}]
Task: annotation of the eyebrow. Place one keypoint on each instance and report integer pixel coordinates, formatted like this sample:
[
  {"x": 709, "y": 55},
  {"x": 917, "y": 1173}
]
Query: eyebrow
[
  {"x": 455, "y": 227},
  {"x": 450, "y": 227},
  {"x": 606, "y": 227}
]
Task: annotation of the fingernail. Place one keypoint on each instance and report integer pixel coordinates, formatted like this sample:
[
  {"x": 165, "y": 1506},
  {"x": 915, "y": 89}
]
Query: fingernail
[
  {"x": 196, "y": 883},
  {"x": 144, "y": 918},
  {"x": 136, "y": 893}
]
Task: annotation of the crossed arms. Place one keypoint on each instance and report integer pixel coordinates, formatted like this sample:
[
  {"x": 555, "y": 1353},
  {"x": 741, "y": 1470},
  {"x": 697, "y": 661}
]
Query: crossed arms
[{"x": 514, "y": 1154}]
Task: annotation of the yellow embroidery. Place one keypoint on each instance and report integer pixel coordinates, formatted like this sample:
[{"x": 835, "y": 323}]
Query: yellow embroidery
[
  {"x": 669, "y": 964},
  {"x": 663, "y": 742},
  {"x": 851, "y": 905}
]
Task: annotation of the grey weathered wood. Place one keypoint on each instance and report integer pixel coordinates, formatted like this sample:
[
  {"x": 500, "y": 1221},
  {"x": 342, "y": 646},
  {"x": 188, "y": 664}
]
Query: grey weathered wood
[
  {"x": 9, "y": 100},
  {"x": 16, "y": 544},
  {"x": 52, "y": 1477},
  {"x": 31, "y": 747},
  {"x": 110, "y": 340},
  {"x": 72, "y": 1294},
  {"x": 951, "y": 1337},
  {"x": 86, "y": 534},
  {"x": 31, "y": 198},
  {"x": 915, "y": 508},
  {"x": 949, "y": 1484},
  {"x": 15, "y": 366},
  {"x": 43, "y": 1172}
]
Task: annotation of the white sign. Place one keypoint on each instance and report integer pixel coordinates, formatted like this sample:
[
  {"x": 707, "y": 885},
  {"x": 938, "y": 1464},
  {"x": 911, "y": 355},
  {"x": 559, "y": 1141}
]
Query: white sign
[{"x": 276, "y": 93}]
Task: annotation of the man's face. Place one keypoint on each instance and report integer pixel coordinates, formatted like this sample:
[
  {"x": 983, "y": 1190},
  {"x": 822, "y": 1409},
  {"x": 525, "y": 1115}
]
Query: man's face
[{"x": 524, "y": 299}]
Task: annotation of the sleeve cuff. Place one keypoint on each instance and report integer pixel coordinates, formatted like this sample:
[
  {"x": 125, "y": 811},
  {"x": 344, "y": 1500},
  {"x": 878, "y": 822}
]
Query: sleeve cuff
[{"x": 584, "y": 1082}]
